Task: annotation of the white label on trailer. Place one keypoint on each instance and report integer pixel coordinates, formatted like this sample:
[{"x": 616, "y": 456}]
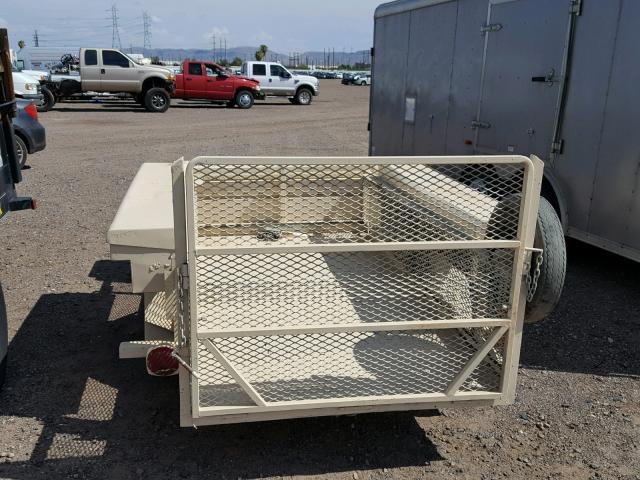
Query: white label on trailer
[{"x": 410, "y": 110}]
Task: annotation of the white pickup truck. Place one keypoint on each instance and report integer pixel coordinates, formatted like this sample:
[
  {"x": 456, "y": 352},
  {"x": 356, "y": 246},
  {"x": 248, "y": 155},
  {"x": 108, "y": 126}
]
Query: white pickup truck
[
  {"x": 109, "y": 70},
  {"x": 276, "y": 80},
  {"x": 27, "y": 87}
]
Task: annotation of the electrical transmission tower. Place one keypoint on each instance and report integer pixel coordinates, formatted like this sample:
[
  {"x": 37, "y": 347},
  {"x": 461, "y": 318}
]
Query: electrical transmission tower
[
  {"x": 115, "y": 32},
  {"x": 36, "y": 40},
  {"x": 146, "y": 20}
]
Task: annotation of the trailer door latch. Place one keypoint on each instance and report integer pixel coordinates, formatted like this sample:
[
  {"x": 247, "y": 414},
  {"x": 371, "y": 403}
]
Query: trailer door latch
[{"x": 490, "y": 27}]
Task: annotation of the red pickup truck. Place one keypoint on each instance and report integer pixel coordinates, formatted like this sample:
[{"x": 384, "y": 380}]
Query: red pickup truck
[{"x": 209, "y": 81}]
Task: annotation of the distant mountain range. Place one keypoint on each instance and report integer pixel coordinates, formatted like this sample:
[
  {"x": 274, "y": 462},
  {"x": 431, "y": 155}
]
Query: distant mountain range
[{"x": 247, "y": 53}]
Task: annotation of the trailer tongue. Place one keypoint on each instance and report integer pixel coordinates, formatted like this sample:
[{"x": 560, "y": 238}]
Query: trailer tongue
[{"x": 321, "y": 286}]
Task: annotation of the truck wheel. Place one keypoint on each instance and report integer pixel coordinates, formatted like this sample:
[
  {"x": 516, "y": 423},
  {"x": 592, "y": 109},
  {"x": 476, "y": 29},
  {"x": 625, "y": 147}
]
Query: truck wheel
[
  {"x": 4, "y": 338},
  {"x": 303, "y": 97},
  {"x": 244, "y": 99},
  {"x": 47, "y": 102},
  {"x": 157, "y": 100},
  {"x": 550, "y": 238},
  {"x": 21, "y": 151}
]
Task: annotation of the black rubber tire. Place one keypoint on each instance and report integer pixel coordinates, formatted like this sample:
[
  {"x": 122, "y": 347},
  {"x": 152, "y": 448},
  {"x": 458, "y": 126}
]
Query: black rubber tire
[
  {"x": 157, "y": 100},
  {"x": 21, "y": 151},
  {"x": 550, "y": 238},
  {"x": 48, "y": 101},
  {"x": 231, "y": 104},
  {"x": 304, "y": 96},
  {"x": 4, "y": 337},
  {"x": 244, "y": 99}
]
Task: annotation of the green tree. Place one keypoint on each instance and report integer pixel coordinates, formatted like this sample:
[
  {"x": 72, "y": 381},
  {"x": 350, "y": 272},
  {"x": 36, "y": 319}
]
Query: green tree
[
  {"x": 236, "y": 61},
  {"x": 262, "y": 52},
  {"x": 223, "y": 62},
  {"x": 155, "y": 60},
  {"x": 21, "y": 44}
]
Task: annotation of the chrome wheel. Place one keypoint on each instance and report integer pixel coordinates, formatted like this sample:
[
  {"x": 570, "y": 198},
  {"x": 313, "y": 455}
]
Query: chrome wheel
[
  {"x": 244, "y": 100},
  {"x": 21, "y": 151},
  {"x": 304, "y": 97},
  {"x": 158, "y": 101}
]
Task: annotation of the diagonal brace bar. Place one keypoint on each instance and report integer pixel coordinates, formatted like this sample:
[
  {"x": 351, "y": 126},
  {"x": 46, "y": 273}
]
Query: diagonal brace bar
[
  {"x": 237, "y": 376},
  {"x": 475, "y": 360}
]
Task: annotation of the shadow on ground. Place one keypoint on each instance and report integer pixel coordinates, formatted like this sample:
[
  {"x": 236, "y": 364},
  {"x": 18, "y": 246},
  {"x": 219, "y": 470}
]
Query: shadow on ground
[
  {"x": 100, "y": 414},
  {"x": 596, "y": 327}
]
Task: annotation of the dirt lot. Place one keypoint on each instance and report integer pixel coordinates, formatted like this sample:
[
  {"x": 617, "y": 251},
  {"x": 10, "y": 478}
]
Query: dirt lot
[{"x": 71, "y": 409}]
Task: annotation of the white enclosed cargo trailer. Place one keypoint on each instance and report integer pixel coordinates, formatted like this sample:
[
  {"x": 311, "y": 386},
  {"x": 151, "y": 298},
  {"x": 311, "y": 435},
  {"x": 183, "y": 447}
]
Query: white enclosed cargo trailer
[
  {"x": 294, "y": 287},
  {"x": 554, "y": 78}
]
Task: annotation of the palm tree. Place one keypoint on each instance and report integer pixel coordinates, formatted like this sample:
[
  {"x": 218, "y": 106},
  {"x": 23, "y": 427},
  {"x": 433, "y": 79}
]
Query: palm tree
[{"x": 262, "y": 52}]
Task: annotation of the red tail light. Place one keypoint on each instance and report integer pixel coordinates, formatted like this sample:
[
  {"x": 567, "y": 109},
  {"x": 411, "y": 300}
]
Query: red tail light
[{"x": 31, "y": 111}]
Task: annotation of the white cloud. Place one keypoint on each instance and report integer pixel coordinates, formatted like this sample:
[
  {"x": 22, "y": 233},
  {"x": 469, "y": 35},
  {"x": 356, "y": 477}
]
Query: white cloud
[
  {"x": 3, "y": 23},
  {"x": 218, "y": 32},
  {"x": 156, "y": 19},
  {"x": 262, "y": 37}
]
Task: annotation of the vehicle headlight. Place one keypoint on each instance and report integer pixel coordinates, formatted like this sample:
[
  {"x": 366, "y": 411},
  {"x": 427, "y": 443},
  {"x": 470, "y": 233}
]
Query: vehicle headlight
[
  {"x": 31, "y": 86},
  {"x": 171, "y": 77},
  {"x": 257, "y": 87}
]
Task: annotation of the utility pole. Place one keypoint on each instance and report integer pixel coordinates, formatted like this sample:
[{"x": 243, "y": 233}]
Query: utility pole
[
  {"x": 213, "y": 54},
  {"x": 36, "y": 40},
  {"x": 115, "y": 32},
  {"x": 146, "y": 20},
  {"x": 225, "y": 49}
]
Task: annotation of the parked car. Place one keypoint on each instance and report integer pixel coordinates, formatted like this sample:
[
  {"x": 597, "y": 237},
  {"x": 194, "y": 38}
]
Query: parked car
[
  {"x": 364, "y": 79},
  {"x": 109, "y": 70},
  {"x": 28, "y": 131},
  {"x": 26, "y": 87},
  {"x": 210, "y": 81},
  {"x": 43, "y": 79},
  {"x": 347, "y": 78},
  {"x": 275, "y": 80}
]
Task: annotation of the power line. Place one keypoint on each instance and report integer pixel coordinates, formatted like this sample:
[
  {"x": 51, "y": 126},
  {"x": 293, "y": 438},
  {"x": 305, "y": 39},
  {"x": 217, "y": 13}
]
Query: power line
[
  {"x": 115, "y": 32},
  {"x": 146, "y": 20}
]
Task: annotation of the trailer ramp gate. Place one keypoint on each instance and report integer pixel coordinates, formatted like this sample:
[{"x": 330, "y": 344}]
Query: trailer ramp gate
[{"x": 337, "y": 285}]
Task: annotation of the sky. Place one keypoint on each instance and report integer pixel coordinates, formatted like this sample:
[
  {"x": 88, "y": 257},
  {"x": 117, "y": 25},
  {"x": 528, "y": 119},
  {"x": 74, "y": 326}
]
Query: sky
[{"x": 284, "y": 25}]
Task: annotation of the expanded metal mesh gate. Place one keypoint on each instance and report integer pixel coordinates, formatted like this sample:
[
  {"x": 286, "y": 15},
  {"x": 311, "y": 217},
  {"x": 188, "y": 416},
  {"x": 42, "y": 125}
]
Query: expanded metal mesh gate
[{"x": 317, "y": 286}]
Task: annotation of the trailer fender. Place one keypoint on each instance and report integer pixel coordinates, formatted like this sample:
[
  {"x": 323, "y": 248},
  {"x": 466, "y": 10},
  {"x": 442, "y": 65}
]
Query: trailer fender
[{"x": 553, "y": 192}]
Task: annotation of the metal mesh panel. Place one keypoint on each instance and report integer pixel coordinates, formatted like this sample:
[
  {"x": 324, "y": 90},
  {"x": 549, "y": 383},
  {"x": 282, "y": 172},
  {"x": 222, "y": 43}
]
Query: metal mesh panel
[
  {"x": 255, "y": 205},
  {"x": 300, "y": 272},
  {"x": 280, "y": 290},
  {"x": 337, "y": 365}
]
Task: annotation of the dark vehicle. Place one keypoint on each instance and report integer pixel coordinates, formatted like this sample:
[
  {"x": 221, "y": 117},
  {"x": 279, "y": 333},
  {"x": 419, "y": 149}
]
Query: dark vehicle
[
  {"x": 348, "y": 78},
  {"x": 29, "y": 132},
  {"x": 10, "y": 173}
]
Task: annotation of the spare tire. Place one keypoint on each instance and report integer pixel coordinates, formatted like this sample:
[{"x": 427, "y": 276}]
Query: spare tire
[{"x": 550, "y": 238}]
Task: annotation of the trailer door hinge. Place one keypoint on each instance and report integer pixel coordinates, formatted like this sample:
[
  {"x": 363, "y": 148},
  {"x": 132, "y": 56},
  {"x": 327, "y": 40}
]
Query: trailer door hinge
[
  {"x": 557, "y": 147},
  {"x": 183, "y": 274},
  {"x": 490, "y": 27},
  {"x": 478, "y": 124},
  {"x": 576, "y": 7}
]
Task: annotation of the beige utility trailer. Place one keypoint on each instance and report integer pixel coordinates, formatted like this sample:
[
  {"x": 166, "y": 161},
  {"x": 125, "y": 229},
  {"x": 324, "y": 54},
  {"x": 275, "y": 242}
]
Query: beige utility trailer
[{"x": 295, "y": 287}]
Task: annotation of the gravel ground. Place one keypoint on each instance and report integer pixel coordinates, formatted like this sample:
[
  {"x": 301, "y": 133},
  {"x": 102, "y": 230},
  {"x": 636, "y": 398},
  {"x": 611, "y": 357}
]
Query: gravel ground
[{"x": 71, "y": 409}]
